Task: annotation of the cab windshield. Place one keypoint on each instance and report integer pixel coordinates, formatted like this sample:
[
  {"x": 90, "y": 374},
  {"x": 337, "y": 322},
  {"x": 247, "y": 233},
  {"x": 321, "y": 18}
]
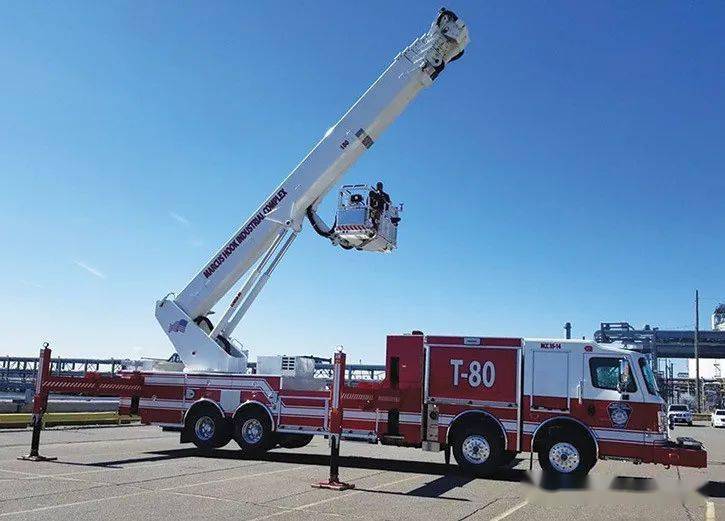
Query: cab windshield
[{"x": 649, "y": 377}]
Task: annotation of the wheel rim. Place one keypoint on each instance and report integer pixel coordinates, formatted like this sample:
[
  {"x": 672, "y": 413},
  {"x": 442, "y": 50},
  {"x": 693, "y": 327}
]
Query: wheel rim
[
  {"x": 564, "y": 457},
  {"x": 204, "y": 428},
  {"x": 252, "y": 431},
  {"x": 476, "y": 449}
]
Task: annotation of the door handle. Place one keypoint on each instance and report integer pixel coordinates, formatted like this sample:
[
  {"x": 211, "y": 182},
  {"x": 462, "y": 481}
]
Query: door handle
[{"x": 579, "y": 392}]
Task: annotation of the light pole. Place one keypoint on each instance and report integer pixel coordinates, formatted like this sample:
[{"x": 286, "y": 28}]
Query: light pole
[{"x": 697, "y": 351}]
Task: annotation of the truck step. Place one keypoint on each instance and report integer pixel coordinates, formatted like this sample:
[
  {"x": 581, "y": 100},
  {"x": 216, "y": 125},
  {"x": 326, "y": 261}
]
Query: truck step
[{"x": 390, "y": 439}]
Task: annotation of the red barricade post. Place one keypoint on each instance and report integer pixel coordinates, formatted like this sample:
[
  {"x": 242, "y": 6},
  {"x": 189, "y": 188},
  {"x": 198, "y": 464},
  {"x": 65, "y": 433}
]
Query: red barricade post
[
  {"x": 91, "y": 384},
  {"x": 336, "y": 414},
  {"x": 40, "y": 403}
]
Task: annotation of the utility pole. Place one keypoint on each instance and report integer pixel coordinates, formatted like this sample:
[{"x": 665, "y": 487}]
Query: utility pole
[
  {"x": 697, "y": 351},
  {"x": 567, "y": 329}
]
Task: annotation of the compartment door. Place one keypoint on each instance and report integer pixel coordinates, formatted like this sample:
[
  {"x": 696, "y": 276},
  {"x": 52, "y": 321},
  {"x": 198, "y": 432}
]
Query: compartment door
[
  {"x": 478, "y": 376},
  {"x": 550, "y": 383}
]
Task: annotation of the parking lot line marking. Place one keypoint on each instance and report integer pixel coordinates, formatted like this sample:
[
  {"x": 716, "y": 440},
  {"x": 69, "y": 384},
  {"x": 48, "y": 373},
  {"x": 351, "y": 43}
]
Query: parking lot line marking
[
  {"x": 245, "y": 476},
  {"x": 80, "y": 442},
  {"x": 144, "y": 492},
  {"x": 72, "y": 504},
  {"x": 709, "y": 511},
  {"x": 510, "y": 511},
  {"x": 68, "y": 476},
  {"x": 14, "y": 457},
  {"x": 29, "y": 475},
  {"x": 328, "y": 500}
]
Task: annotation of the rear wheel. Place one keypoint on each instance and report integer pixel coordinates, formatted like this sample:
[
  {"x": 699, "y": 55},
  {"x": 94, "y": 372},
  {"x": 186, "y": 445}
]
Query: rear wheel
[
  {"x": 477, "y": 449},
  {"x": 253, "y": 431},
  {"x": 207, "y": 428},
  {"x": 566, "y": 454}
]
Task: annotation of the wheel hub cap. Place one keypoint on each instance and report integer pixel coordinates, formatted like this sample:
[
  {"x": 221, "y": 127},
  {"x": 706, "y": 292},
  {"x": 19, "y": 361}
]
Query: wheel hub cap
[
  {"x": 252, "y": 431},
  {"x": 564, "y": 457},
  {"x": 476, "y": 449},
  {"x": 204, "y": 428}
]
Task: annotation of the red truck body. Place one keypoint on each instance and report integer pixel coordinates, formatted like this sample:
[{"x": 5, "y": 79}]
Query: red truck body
[{"x": 521, "y": 394}]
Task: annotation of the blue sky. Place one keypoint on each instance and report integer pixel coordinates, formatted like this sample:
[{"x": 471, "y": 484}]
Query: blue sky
[{"x": 569, "y": 168}]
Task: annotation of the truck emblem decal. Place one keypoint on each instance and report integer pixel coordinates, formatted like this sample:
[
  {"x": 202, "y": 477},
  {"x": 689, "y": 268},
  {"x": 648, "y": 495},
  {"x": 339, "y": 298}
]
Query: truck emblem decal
[
  {"x": 619, "y": 414},
  {"x": 179, "y": 326}
]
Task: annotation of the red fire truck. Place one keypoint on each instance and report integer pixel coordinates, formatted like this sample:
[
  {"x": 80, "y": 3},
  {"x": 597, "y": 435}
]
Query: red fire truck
[{"x": 485, "y": 399}]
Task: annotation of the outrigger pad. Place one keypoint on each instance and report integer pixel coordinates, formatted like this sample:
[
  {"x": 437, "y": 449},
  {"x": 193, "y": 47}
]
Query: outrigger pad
[
  {"x": 333, "y": 485},
  {"x": 30, "y": 457}
]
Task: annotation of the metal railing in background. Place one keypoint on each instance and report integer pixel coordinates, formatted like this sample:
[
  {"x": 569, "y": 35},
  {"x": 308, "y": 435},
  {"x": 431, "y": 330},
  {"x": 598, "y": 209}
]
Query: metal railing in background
[
  {"x": 354, "y": 371},
  {"x": 17, "y": 373}
]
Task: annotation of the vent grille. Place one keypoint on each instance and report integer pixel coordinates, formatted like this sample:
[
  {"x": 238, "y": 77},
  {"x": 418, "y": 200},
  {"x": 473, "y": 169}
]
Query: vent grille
[{"x": 288, "y": 364}]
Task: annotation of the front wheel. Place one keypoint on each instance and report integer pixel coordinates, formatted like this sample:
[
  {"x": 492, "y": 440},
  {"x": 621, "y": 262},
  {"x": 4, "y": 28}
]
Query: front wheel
[
  {"x": 566, "y": 455},
  {"x": 478, "y": 450}
]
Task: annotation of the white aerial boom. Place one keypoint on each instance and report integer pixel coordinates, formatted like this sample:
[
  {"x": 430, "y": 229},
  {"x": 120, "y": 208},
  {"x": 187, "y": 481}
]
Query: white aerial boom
[{"x": 266, "y": 236}]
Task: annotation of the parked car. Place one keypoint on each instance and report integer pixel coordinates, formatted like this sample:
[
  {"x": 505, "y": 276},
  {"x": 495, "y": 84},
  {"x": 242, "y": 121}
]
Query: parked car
[
  {"x": 717, "y": 418},
  {"x": 679, "y": 413}
]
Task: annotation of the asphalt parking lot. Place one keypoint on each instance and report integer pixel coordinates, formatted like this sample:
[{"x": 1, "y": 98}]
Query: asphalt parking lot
[{"x": 138, "y": 472}]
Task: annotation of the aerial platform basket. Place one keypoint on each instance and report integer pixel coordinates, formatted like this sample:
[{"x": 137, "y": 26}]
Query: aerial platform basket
[{"x": 363, "y": 226}]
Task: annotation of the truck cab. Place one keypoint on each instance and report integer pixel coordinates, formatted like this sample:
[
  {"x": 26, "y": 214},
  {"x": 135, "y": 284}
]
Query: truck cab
[{"x": 610, "y": 391}]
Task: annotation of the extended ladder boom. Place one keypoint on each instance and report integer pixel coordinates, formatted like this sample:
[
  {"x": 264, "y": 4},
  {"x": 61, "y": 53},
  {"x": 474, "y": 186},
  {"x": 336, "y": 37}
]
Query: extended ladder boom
[{"x": 268, "y": 233}]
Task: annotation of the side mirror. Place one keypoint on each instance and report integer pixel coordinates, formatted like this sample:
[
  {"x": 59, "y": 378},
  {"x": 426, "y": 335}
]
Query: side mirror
[{"x": 624, "y": 375}]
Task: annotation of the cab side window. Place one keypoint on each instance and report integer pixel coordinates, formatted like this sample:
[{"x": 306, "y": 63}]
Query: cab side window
[{"x": 605, "y": 374}]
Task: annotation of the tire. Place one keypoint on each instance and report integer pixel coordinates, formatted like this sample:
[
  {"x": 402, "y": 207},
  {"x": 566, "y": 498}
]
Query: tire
[
  {"x": 566, "y": 454},
  {"x": 477, "y": 449},
  {"x": 207, "y": 428},
  {"x": 253, "y": 431},
  {"x": 293, "y": 441},
  {"x": 689, "y": 424}
]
